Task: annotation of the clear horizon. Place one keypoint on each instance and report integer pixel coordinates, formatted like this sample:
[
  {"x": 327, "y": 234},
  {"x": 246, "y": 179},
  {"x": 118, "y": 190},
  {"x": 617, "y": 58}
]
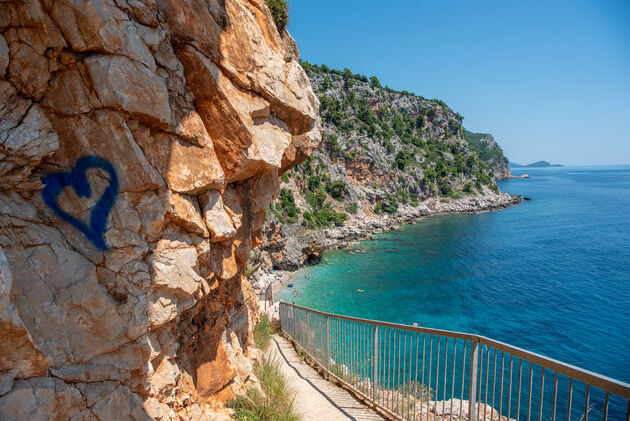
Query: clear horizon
[{"x": 550, "y": 81}]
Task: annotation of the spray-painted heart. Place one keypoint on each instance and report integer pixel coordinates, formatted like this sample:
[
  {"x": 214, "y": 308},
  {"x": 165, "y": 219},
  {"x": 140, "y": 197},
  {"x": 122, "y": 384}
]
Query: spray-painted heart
[{"x": 77, "y": 180}]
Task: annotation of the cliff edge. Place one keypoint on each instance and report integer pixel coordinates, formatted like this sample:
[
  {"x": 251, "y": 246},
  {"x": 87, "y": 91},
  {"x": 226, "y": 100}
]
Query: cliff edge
[{"x": 140, "y": 145}]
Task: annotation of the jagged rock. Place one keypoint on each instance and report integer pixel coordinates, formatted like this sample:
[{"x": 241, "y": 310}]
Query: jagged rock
[
  {"x": 18, "y": 354},
  {"x": 26, "y": 136},
  {"x": 124, "y": 85},
  {"x": 120, "y": 296},
  {"x": 6, "y": 380},
  {"x": 4, "y": 56},
  {"x": 217, "y": 220},
  {"x": 43, "y": 398},
  {"x": 184, "y": 211},
  {"x": 67, "y": 93},
  {"x": 249, "y": 139},
  {"x": 193, "y": 169},
  {"x": 173, "y": 269}
]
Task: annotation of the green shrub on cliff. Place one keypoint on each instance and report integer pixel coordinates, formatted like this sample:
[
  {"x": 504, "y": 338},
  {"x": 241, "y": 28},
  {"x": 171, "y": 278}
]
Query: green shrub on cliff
[
  {"x": 324, "y": 218},
  {"x": 280, "y": 12},
  {"x": 263, "y": 331},
  {"x": 338, "y": 189},
  {"x": 287, "y": 201},
  {"x": 487, "y": 151},
  {"x": 276, "y": 403},
  {"x": 331, "y": 144},
  {"x": 403, "y": 159},
  {"x": 390, "y": 205},
  {"x": 468, "y": 188}
]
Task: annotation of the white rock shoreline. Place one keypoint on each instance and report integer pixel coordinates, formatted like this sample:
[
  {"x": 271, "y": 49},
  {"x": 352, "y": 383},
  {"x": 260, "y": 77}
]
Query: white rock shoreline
[{"x": 361, "y": 227}]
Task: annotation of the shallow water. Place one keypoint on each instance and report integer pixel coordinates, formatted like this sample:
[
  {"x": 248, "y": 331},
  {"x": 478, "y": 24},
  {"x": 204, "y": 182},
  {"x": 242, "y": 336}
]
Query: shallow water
[{"x": 551, "y": 275}]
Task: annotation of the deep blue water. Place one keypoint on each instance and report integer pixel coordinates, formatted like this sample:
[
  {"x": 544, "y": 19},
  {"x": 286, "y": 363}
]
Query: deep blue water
[{"x": 551, "y": 275}]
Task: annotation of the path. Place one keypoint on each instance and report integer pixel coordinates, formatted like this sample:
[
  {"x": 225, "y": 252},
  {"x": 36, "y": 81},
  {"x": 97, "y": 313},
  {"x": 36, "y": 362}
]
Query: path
[{"x": 317, "y": 398}]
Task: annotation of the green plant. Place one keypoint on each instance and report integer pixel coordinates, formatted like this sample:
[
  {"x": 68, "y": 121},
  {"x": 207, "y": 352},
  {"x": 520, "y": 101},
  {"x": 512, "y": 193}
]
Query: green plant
[
  {"x": 324, "y": 217},
  {"x": 287, "y": 203},
  {"x": 263, "y": 331},
  {"x": 352, "y": 208},
  {"x": 315, "y": 199},
  {"x": 488, "y": 151},
  {"x": 391, "y": 204},
  {"x": 338, "y": 189},
  {"x": 277, "y": 401},
  {"x": 279, "y": 12},
  {"x": 285, "y": 178},
  {"x": 468, "y": 188},
  {"x": 327, "y": 84},
  {"x": 445, "y": 187},
  {"x": 332, "y": 145},
  {"x": 403, "y": 159}
]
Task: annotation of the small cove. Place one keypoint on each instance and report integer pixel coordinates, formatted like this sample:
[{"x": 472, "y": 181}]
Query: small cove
[{"x": 551, "y": 275}]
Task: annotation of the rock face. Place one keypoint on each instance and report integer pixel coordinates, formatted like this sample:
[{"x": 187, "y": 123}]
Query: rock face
[
  {"x": 140, "y": 145},
  {"x": 386, "y": 157}
]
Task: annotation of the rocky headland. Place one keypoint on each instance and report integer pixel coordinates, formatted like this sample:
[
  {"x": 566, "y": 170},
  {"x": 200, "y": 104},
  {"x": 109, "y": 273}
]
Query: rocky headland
[{"x": 386, "y": 158}]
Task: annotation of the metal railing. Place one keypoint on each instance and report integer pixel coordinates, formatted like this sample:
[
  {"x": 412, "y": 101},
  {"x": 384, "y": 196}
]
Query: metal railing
[
  {"x": 416, "y": 373},
  {"x": 265, "y": 298}
]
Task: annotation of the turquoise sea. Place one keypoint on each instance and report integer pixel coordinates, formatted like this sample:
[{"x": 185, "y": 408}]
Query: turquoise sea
[{"x": 551, "y": 275}]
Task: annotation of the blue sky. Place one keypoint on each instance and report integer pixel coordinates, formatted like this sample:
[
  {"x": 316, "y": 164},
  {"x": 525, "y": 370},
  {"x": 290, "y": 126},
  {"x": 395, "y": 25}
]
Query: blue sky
[{"x": 549, "y": 79}]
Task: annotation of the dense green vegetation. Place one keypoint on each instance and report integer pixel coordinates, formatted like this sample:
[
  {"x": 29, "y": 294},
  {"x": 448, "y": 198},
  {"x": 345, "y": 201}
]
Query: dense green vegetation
[
  {"x": 486, "y": 151},
  {"x": 280, "y": 12},
  {"x": 353, "y": 112},
  {"x": 418, "y": 147},
  {"x": 263, "y": 331},
  {"x": 319, "y": 191},
  {"x": 275, "y": 404}
]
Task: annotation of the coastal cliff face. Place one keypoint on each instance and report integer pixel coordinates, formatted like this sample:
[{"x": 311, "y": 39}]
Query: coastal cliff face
[
  {"x": 489, "y": 150},
  {"x": 140, "y": 146},
  {"x": 386, "y": 157}
]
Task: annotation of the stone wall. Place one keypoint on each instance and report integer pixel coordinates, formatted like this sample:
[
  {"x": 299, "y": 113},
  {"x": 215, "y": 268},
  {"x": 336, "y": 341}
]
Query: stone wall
[{"x": 140, "y": 146}]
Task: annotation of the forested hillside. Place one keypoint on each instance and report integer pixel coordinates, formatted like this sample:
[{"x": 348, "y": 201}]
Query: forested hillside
[{"x": 385, "y": 156}]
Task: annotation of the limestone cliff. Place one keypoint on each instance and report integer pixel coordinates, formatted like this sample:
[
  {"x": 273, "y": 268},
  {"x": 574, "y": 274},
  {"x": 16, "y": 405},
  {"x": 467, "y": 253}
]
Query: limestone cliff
[
  {"x": 140, "y": 145},
  {"x": 386, "y": 157}
]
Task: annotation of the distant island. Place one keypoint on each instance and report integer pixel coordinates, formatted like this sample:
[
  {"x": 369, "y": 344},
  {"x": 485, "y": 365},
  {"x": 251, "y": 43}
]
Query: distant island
[{"x": 537, "y": 164}]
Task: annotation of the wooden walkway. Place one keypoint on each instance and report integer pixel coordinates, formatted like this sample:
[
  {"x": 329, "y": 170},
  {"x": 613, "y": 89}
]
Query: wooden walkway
[{"x": 316, "y": 398}]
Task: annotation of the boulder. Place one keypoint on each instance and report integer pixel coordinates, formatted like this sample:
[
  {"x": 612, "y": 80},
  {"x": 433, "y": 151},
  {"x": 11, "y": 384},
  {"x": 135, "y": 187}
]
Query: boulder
[{"x": 216, "y": 218}]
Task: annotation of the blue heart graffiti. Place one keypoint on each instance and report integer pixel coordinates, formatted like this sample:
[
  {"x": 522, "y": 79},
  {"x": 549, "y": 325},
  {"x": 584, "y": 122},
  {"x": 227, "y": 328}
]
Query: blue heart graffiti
[{"x": 76, "y": 179}]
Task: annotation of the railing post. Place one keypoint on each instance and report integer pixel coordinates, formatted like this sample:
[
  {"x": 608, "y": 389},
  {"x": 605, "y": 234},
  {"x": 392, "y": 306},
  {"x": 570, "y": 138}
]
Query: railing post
[
  {"x": 327, "y": 364},
  {"x": 472, "y": 382},
  {"x": 374, "y": 363},
  {"x": 280, "y": 315},
  {"x": 308, "y": 332}
]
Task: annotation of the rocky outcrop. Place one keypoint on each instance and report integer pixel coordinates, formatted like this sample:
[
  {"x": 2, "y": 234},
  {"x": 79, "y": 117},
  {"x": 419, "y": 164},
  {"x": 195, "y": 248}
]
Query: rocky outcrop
[
  {"x": 140, "y": 146},
  {"x": 387, "y": 157},
  {"x": 490, "y": 151}
]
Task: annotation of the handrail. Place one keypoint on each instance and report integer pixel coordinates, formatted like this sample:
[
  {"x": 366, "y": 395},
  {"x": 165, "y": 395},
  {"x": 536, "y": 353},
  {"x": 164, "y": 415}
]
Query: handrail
[{"x": 374, "y": 360}]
